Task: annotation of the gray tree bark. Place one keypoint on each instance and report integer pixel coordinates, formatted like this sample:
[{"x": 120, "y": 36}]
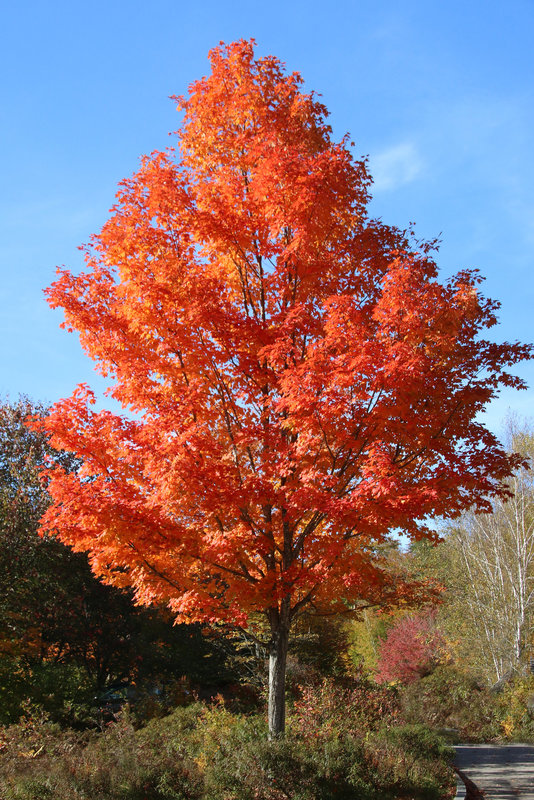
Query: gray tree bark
[{"x": 277, "y": 671}]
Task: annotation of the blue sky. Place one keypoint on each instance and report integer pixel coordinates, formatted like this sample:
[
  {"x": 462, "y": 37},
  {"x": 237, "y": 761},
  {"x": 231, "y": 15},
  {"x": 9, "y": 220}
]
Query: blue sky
[{"x": 439, "y": 95}]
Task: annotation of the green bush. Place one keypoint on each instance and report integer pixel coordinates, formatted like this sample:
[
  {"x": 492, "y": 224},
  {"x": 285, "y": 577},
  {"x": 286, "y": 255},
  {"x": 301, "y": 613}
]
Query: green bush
[
  {"x": 241, "y": 764},
  {"x": 450, "y": 699},
  {"x": 119, "y": 764},
  {"x": 342, "y": 742},
  {"x": 412, "y": 761},
  {"x": 209, "y": 753},
  {"x": 61, "y": 692}
]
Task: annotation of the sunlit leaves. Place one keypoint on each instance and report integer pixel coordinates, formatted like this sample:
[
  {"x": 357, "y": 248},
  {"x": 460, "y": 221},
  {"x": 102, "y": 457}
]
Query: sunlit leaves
[{"x": 303, "y": 382}]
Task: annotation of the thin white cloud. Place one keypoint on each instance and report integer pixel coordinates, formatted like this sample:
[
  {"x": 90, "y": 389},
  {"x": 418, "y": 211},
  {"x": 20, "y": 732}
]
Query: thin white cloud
[{"x": 395, "y": 167}]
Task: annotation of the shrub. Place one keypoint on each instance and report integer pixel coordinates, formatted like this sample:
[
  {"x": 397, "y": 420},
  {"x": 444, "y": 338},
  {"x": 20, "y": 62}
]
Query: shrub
[
  {"x": 410, "y": 650},
  {"x": 241, "y": 764},
  {"x": 62, "y": 692},
  {"x": 209, "y": 753},
  {"x": 410, "y": 760},
  {"x": 119, "y": 764},
  {"x": 515, "y": 705},
  {"x": 450, "y": 699},
  {"x": 332, "y": 759},
  {"x": 350, "y": 707}
]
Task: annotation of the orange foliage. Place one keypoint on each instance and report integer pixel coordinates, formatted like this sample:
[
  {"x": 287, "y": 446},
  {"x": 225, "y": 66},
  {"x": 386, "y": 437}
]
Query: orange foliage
[{"x": 302, "y": 382}]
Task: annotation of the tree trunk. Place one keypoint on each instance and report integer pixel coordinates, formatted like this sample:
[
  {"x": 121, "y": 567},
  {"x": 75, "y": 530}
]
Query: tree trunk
[{"x": 277, "y": 676}]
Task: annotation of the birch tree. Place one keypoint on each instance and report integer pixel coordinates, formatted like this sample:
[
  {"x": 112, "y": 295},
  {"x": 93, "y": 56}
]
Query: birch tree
[{"x": 496, "y": 554}]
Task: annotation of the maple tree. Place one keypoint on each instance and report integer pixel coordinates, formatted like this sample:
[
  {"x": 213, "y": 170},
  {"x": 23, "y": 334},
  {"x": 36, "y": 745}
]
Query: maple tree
[{"x": 298, "y": 382}]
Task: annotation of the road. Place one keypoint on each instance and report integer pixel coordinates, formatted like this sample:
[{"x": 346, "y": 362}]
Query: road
[{"x": 502, "y": 772}]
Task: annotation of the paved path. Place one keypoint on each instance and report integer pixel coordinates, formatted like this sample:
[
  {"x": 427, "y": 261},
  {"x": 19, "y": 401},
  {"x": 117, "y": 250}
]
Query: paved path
[{"x": 502, "y": 772}]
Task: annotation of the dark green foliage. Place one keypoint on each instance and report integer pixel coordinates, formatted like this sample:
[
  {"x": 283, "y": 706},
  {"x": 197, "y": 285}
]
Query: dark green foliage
[
  {"x": 321, "y": 644},
  {"x": 248, "y": 767},
  {"x": 62, "y": 692},
  {"x": 64, "y": 635}
]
